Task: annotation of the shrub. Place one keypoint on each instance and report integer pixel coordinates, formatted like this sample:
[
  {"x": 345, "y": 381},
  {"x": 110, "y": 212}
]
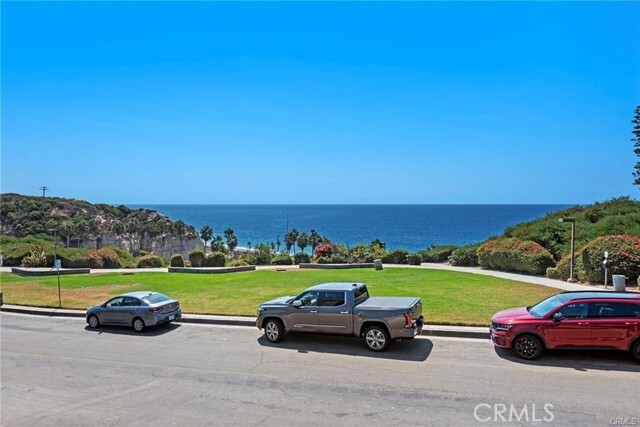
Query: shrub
[
  {"x": 338, "y": 258},
  {"x": 91, "y": 260},
  {"x": 465, "y": 256},
  {"x": 125, "y": 259},
  {"x": 216, "y": 259},
  {"x": 196, "y": 258},
  {"x": 396, "y": 256},
  {"x": 282, "y": 259},
  {"x": 552, "y": 273},
  {"x": 624, "y": 259},
  {"x": 37, "y": 258},
  {"x": 260, "y": 255},
  {"x": 323, "y": 260},
  {"x": 109, "y": 258},
  {"x": 301, "y": 257},
  {"x": 176, "y": 261},
  {"x": 414, "y": 259},
  {"x": 437, "y": 253},
  {"x": 516, "y": 255},
  {"x": 236, "y": 262},
  {"x": 150, "y": 261},
  {"x": 325, "y": 250}
]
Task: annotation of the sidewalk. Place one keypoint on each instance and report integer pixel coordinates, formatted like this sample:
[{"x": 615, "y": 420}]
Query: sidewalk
[{"x": 428, "y": 330}]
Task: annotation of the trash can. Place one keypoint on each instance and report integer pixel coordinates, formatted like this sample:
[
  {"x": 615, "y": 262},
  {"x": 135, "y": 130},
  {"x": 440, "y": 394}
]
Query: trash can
[
  {"x": 619, "y": 282},
  {"x": 377, "y": 264}
]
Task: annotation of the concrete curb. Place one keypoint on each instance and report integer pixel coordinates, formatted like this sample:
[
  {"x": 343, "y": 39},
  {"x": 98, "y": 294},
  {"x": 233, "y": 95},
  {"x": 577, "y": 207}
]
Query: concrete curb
[{"x": 428, "y": 330}]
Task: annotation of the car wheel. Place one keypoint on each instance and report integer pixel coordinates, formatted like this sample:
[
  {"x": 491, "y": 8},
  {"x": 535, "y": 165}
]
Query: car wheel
[
  {"x": 138, "y": 324},
  {"x": 376, "y": 338},
  {"x": 93, "y": 321},
  {"x": 527, "y": 347},
  {"x": 274, "y": 330},
  {"x": 635, "y": 350}
]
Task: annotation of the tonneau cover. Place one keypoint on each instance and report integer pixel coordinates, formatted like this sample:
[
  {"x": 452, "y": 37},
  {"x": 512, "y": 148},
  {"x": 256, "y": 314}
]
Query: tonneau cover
[{"x": 388, "y": 303}]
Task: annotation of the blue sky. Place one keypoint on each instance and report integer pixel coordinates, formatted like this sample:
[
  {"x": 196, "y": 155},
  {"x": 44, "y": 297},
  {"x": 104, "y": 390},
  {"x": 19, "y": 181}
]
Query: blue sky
[{"x": 417, "y": 102}]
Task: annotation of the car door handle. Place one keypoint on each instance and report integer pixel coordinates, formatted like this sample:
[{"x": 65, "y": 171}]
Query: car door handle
[
  {"x": 344, "y": 312},
  {"x": 313, "y": 311},
  {"x": 583, "y": 323}
]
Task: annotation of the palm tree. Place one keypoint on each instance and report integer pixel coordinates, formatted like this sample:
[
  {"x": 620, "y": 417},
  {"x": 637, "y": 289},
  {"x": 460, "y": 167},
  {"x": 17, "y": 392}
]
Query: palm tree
[
  {"x": 278, "y": 242},
  {"x": 132, "y": 227},
  {"x": 205, "y": 233},
  {"x": 303, "y": 241},
  {"x": 66, "y": 229},
  {"x": 81, "y": 228},
  {"x": 217, "y": 244},
  {"x": 232, "y": 240},
  {"x": 290, "y": 240},
  {"x": 117, "y": 227},
  {"x": 314, "y": 239},
  {"x": 92, "y": 229}
]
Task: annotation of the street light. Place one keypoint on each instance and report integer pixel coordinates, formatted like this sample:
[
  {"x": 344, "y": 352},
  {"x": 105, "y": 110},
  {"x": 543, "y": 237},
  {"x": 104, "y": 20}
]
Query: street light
[
  {"x": 56, "y": 265},
  {"x": 573, "y": 232}
]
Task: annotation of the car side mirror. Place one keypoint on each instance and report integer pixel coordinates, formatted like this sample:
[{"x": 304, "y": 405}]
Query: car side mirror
[
  {"x": 297, "y": 303},
  {"x": 557, "y": 317}
]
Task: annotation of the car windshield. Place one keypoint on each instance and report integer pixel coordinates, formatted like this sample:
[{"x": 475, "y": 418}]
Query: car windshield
[
  {"x": 545, "y": 306},
  {"x": 155, "y": 298}
]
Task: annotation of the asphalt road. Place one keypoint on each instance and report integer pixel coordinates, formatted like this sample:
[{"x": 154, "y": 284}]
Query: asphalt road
[{"x": 57, "y": 372}]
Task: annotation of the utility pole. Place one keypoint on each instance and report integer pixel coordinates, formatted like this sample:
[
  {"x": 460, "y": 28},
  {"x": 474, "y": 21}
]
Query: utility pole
[{"x": 44, "y": 189}]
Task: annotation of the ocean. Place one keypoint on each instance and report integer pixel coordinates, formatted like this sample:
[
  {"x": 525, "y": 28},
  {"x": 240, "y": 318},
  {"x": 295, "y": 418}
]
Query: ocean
[{"x": 410, "y": 227}]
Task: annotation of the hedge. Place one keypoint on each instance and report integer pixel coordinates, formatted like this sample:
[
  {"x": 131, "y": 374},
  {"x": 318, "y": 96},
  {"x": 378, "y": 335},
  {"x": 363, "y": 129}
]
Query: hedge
[
  {"x": 176, "y": 261},
  {"x": 465, "y": 256},
  {"x": 396, "y": 256},
  {"x": 515, "y": 255},
  {"x": 196, "y": 258},
  {"x": 414, "y": 259},
  {"x": 283, "y": 259},
  {"x": 624, "y": 259},
  {"x": 437, "y": 253},
  {"x": 216, "y": 259},
  {"x": 301, "y": 257},
  {"x": 150, "y": 261}
]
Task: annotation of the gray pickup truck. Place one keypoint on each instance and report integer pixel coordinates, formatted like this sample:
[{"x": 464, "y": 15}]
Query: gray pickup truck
[{"x": 345, "y": 309}]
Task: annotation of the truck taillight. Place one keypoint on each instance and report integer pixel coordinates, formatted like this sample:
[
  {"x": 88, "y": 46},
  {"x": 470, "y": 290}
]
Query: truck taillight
[{"x": 407, "y": 317}]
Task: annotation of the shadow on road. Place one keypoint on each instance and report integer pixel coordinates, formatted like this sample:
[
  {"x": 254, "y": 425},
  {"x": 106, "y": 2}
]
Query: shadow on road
[
  {"x": 416, "y": 350},
  {"x": 153, "y": 331},
  {"x": 579, "y": 360}
]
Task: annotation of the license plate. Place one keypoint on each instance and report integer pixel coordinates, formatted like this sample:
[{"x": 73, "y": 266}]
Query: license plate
[{"x": 172, "y": 317}]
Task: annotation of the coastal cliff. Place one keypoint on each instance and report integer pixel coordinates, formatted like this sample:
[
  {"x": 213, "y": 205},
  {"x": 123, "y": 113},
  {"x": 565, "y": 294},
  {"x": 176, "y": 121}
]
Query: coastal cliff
[{"x": 82, "y": 224}]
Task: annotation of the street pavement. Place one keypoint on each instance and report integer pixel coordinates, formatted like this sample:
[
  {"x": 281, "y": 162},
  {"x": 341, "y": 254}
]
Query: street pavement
[{"x": 58, "y": 372}]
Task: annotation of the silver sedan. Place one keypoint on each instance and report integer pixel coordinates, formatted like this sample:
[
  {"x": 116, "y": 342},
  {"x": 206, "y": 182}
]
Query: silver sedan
[{"x": 136, "y": 309}]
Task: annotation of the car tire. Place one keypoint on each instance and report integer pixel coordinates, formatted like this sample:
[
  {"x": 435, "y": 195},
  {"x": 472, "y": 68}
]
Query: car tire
[
  {"x": 93, "y": 321},
  {"x": 527, "y": 346},
  {"x": 635, "y": 350},
  {"x": 376, "y": 338},
  {"x": 274, "y": 330},
  {"x": 138, "y": 325}
]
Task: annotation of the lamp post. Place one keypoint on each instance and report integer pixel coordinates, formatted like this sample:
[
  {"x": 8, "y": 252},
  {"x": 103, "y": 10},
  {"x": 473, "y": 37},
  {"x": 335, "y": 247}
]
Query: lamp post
[
  {"x": 56, "y": 265},
  {"x": 573, "y": 232}
]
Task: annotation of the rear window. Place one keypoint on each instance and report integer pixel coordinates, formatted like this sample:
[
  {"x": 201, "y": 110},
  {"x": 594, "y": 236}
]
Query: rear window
[
  {"x": 155, "y": 298},
  {"x": 361, "y": 292}
]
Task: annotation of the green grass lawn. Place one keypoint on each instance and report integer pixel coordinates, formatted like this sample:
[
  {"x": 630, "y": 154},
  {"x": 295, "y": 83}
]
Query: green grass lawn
[{"x": 448, "y": 297}]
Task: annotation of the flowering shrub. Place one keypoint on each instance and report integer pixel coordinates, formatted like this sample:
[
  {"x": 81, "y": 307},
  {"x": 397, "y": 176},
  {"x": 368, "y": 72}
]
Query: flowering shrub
[
  {"x": 624, "y": 259},
  {"x": 516, "y": 255},
  {"x": 110, "y": 258},
  {"x": 326, "y": 250}
]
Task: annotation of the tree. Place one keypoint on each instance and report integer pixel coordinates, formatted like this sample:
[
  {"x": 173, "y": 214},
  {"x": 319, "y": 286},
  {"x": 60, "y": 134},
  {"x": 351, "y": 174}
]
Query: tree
[
  {"x": 232, "y": 240},
  {"x": 81, "y": 228},
  {"x": 314, "y": 239},
  {"x": 290, "y": 240},
  {"x": 132, "y": 227},
  {"x": 278, "y": 243},
  {"x": 303, "y": 241},
  {"x": 66, "y": 229},
  {"x": 636, "y": 138},
  {"x": 206, "y": 233},
  {"x": 217, "y": 244}
]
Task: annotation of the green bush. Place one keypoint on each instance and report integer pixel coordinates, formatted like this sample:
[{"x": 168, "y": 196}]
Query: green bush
[
  {"x": 465, "y": 256},
  {"x": 282, "y": 259},
  {"x": 624, "y": 259},
  {"x": 236, "y": 262},
  {"x": 323, "y": 260},
  {"x": 396, "y": 256},
  {"x": 37, "y": 258},
  {"x": 150, "y": 261},
  {"x": 216, "y": 259},
  {"x": 90, "y": 260},
  {"x": 301, "y": 257},
  {"x": 196, "y": 258},
  {"x": 437, "y": 253},
  {"x": 552, "y": 273},
  {"x": 338, "y": 258},
  {"x": 518, "y": 256},
  {"x": 109, "y": 257},
  {"x": 414, "y": 259},
  {"x": 125, "y": 259},
  {"x": 176, "y": 261}
]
